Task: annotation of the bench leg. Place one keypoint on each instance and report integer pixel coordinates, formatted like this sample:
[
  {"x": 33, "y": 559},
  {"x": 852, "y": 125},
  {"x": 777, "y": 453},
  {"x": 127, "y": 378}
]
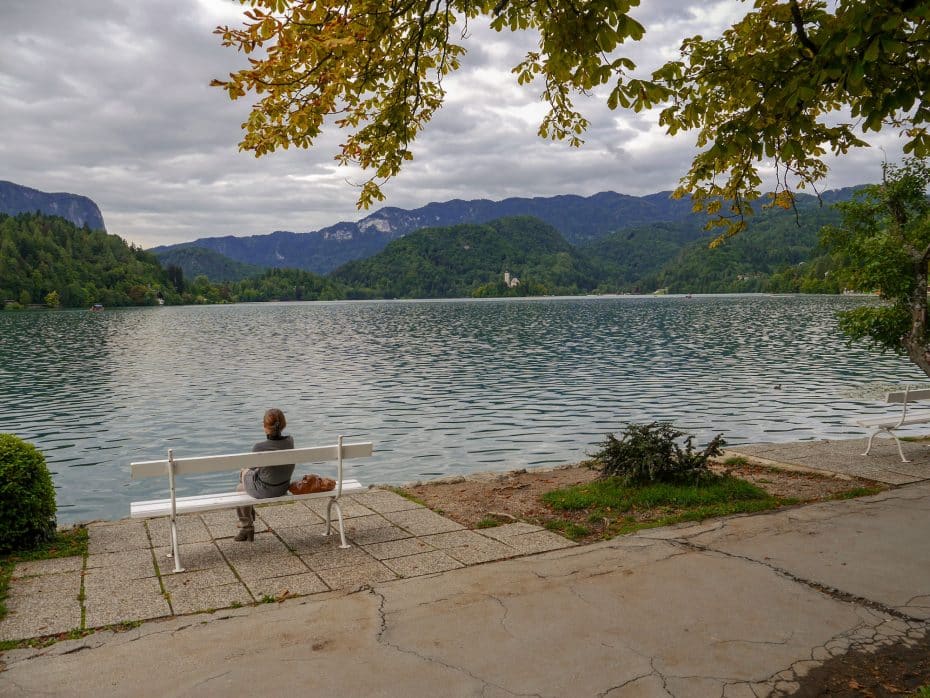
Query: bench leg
[
  {"x": 900, "y": 452},
  {"x": 893, "y": 436},
  {"x": 175, "y": 552},
  {"x": 329, "y": 527}
]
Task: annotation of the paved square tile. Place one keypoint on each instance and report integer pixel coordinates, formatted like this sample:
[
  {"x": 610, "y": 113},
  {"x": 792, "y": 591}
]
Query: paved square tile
[
  {"x": 538, "y": 542},
  {"x": 200, "y": 599},
  {"x": 129, "y": 564},
  {"x": 379, "y": 535},
  {"x": 330, "y": 556},
  {"x": 287, "y": 515},
  {"x": 502, "y": 533},
  {"x": 485, "y": 551},
  {"x": 266, "y": 556},
  {"x": 42, "y": 605},
  {"x": 454, "y": 539},
  {"x": 109, "y": 599},
  {"x": 350, "y": 508},
  {"x": 303, "y": 539},
  {"x": 58, "y": 564},
  {"x": 366, "y": 523},
  {"x": 194, "y": 556},
  {"x": 191, "y": 529},
  {"x": 384, "y": 501},
  {"x": 397, "y": 548},
  {"x": 287, "y": 586},
  {"x": 115, "y": 537},
  {"x": 356, "y": 576},
  {"x": 421, "y": 522},
  {"x": 225, "y": 524},
  {"x": 424, "y": 563}
]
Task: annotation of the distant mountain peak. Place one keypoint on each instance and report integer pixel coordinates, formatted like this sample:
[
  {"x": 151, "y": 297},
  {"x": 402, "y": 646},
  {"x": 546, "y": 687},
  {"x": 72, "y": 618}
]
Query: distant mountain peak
[{"x": 79, "y": 210}]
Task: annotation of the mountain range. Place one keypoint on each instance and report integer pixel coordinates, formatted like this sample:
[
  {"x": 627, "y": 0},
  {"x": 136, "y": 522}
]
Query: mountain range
[
  {"x": 579, "y": 220},
  {"x": 79, "y": 210}
]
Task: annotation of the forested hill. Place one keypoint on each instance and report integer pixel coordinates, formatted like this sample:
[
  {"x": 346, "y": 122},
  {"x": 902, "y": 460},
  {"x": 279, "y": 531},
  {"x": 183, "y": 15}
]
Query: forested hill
[
  {"x": 468, "y": 260},
  {"x": 41, "y": 255},
  {"x": 197, "y": 261},
  {"x": 16, "y": 199}
]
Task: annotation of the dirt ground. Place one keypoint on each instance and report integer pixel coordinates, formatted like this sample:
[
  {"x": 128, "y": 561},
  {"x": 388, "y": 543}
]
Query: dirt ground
[
  {"x": 515, "y": 496},
  {"x": 895, "y": 670}
]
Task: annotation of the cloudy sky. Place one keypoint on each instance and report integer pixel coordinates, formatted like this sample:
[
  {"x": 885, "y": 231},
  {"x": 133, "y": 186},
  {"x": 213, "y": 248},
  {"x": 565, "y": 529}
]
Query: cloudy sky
[{"x": 111, "y": 99}]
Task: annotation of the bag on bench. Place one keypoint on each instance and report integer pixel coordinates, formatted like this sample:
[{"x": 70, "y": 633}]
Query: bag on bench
[{"x": 309, "y": 484}]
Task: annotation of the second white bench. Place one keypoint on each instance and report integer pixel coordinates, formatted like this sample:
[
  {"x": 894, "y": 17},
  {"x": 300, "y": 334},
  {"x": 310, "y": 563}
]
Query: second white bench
[
  {"x": 888, "y": 424},
  {"x": 174, "y": 467}
]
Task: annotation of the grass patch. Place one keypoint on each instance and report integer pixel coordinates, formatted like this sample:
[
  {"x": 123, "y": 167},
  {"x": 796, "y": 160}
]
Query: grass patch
[
  {"x": 736, "y": 460},
  {"x": 66, "y": 543},
  {"x": 620, "y": 508},
  {"x": 407, "y": 495},
  {"x": 569, "y": 529},
  {"x": 488, "y": 522},
  {"x": 859, "y": 492}
]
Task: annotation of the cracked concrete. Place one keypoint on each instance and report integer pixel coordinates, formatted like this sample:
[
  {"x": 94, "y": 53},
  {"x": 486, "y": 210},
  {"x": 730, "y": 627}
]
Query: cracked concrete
[{"x": 735, "y": 608}]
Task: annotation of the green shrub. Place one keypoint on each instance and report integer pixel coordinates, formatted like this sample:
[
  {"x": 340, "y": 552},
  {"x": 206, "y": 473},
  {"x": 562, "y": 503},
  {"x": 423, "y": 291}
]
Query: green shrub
[
  {"x": 27, "y": 498},
  {"x": 652, "y": 453}
]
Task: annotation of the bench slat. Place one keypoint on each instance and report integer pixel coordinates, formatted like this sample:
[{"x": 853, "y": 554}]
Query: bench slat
[
  {"x": 225, "y": 500},
  {"x": 237, "y": 461},
  {"x": 912, "y": 395},
  {"x": 892, "y": 420}
]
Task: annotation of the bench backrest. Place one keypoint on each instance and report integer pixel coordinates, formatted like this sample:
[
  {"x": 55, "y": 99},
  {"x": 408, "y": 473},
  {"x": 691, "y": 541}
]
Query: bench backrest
[
  {"x": 900, "y": 396},
  {"x": 237, "y": 461}
]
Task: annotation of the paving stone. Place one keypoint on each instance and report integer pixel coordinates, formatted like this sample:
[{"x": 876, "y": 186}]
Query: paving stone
[
  {"x": 42, "y": 605},
  {"x": 58, "y": 564},
  {"x": 287, "y": 515},
  {"x": 379, "y": 535},
  {"x": 538, "y": 542},
  {"x": 269, "y": 565},
  {"x": 330, "y": 556},
  {"x": 366, "y": 523},
  {"x": 205, "y": 599},
  {"x": 485, "y": 551},
  {"x": 356, "y": 576},
  {"x": 383, "y": 501},
  {"x": 129, "y": 564},
  {"x": 454, "y": 539},
  {"x": 287, "y": 586},
  {"x": 397, "y": 548},
  {"x": 215, "y": 577},
  {"x": 303, "y": 539},
  {"x": 116, "y": 537},
  {"x": 502, "y": 533},
  {"x": 421, "y": 522},
  {"x": 191, "y": 529},
  {"x": 194, "y": 556},
  {"x": 424, "y": 563},
  {"x": 225, "y": 524},
  {"x": 109, "y": 599},
  {"x": 350, "y": 508}
]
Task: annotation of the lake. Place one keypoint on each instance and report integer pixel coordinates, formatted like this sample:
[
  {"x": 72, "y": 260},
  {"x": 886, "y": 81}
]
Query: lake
[{"x": 441, "y": 387}]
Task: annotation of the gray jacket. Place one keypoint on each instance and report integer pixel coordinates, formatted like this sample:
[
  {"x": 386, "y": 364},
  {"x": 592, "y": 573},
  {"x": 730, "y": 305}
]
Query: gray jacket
[{"x": 271, "y": 481}]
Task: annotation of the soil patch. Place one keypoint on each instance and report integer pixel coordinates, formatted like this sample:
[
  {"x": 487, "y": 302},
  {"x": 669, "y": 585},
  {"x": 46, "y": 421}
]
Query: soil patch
[{"x": 482, "y": 500}]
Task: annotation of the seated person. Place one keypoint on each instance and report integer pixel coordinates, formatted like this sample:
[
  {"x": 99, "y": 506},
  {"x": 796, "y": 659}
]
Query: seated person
[{"x": 266, "y": 482}]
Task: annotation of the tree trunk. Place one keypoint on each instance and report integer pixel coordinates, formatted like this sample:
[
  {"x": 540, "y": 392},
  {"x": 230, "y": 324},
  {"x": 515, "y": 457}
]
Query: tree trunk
[{"x": 915, "y": 341}]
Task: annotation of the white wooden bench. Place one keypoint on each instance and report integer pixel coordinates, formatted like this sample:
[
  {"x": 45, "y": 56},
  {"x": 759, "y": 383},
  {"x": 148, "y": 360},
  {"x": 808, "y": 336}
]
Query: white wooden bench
[
  {"x": 889, "y": 423},
  {"x": 174, "y": 467}
]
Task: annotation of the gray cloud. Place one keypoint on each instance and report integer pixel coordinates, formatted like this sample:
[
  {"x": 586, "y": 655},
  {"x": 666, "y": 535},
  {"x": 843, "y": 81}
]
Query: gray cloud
[{"x": 112, "y": 100}]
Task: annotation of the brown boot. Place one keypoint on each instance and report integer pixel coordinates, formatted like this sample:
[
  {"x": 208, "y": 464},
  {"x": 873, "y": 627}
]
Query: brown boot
[{"x": 246, "y": 524}]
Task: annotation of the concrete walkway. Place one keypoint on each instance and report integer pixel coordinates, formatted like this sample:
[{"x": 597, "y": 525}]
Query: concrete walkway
[
  {"x": 419, "y": 606},
  {"x": 733, "y": 607},
  {"x": 844, "y": 458}
]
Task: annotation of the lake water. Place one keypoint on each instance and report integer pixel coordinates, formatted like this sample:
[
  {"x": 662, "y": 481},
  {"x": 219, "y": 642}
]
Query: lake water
[{"x": 441, "y": 387}]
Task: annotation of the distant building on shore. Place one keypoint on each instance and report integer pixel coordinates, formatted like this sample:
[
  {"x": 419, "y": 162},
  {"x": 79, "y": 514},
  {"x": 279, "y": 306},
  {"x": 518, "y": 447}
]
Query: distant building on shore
[{"x": 510, "y": 281}]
